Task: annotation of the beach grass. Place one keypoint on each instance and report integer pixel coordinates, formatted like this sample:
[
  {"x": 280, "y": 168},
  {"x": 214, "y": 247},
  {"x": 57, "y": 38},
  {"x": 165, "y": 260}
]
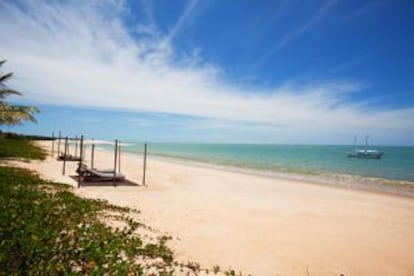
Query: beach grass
[{"x": 20, "y": 148}]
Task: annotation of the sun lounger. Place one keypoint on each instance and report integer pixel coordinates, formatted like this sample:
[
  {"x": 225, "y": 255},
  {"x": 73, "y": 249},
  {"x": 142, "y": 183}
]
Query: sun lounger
[
  {"x": 68, "y": 157},
  {"x": 94, "y": 175}
]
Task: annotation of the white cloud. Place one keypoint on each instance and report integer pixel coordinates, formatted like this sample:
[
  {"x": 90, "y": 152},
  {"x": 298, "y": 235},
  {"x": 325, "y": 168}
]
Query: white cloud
[{"x": 82, "y": 54}]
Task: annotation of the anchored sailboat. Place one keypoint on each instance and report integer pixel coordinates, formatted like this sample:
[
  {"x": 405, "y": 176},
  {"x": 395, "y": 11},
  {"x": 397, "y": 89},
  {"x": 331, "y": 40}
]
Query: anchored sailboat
[{"x": 364, "y": 153}]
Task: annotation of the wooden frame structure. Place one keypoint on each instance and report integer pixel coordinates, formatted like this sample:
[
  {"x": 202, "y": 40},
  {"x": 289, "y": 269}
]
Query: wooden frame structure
[
  {"x": 144, "y": 165},
  {"x": 102, "y": 176},
  {"x": 67, "y": 157},
  {"x": 53, "y": 145},
  {"x": 59, "y": 138},
  {"x": 115, "y": 174}
]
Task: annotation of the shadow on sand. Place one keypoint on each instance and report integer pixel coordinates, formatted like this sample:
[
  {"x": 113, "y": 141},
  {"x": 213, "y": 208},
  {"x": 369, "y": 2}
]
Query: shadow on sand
[{"x": 105, "y": 183}]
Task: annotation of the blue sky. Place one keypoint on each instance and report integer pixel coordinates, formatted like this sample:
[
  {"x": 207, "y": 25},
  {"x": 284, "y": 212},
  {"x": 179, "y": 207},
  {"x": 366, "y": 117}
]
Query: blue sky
[{"x": 215, "y": 71}]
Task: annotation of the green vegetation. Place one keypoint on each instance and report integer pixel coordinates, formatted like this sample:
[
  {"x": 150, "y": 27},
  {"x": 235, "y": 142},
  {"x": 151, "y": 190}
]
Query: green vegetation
[
  {"x": 46, "y": 229},
  {"x": 17, "y": 136},
  {"x": 20, "y": 148},
  {"x": 13, "y": 114}
]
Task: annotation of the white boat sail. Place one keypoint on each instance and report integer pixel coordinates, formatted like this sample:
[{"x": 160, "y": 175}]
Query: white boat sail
[{"x": 364, "y": 153}]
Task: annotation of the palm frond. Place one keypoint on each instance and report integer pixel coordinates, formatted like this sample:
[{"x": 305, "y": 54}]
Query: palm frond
[
  {"x": 14, "y": 115},
  {"x": 6, "y": 92},
  {"x": 5, "y": 77}
]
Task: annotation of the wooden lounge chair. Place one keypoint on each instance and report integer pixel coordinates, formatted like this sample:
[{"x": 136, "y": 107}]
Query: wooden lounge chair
[
  {"x": 94, "y": 175},
  {"x": 68, "y": 157}
]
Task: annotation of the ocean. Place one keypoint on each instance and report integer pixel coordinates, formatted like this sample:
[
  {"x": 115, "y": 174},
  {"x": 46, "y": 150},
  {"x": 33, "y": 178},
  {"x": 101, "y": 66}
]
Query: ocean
[{"x": 396, "y": 164}]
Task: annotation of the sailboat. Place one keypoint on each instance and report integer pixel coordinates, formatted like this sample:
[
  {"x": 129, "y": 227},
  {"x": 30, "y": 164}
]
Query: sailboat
[{"x": 364, "y": 153}]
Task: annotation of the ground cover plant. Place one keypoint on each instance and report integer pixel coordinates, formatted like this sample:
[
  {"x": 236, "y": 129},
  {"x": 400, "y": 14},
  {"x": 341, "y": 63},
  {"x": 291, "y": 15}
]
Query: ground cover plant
[
  {"x": 20, "y": 148},
  {"x": 45, "y": 228}
]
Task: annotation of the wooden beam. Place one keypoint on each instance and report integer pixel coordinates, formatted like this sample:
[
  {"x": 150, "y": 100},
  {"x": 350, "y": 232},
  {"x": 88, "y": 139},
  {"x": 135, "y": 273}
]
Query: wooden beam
[
  {"x": 53, "y": 144},
  {"x": 93, "y": 153},
  {"x": 60, "y": 137},
  {"x": 145, "y": 164},
  {"x": 64, "y": 156},
  {"x": 76, "y": 145},
  {"x": 80, "y": 160},
  {"x": 119, "y": 156},
  {"x": 115, "y": 161}
]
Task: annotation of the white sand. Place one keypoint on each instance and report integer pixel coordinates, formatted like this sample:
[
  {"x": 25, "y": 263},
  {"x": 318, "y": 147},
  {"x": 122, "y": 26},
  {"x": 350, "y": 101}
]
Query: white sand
[{"x": 261, "y": 225}]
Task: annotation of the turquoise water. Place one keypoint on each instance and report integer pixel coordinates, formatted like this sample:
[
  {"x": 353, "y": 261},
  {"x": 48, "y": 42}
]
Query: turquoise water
[{"x": 397, "y": 162}]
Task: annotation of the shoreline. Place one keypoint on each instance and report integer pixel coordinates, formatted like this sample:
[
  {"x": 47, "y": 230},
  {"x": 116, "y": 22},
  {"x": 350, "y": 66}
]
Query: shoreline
[{"x": 346, "y": 181}]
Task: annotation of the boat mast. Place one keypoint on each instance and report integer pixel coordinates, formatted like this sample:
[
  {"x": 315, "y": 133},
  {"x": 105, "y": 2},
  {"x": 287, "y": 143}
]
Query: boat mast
[
  {"x": 355, "y": 140},
  {"x": 366, "y": 143}
]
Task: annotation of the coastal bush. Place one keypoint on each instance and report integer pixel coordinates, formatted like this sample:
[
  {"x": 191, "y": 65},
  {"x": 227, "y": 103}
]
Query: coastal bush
[
  {"x": 20, "y": 148},
  {"x": 13, "y": 135},
  {"x": 46, "y": 229}
]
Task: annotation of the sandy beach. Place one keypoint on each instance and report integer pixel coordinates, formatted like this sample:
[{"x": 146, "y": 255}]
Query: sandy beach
[{"x": 260, "y": 225}]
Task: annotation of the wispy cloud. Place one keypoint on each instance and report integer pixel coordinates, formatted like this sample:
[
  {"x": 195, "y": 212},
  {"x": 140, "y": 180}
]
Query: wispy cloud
[
  {"x": 352, "y": 62},
  {"x": 296, "y": 33},
  {"x": 365, "y": 9},
  {"x": 182, "y": 19},
  {"x": 81, "y": 54}
]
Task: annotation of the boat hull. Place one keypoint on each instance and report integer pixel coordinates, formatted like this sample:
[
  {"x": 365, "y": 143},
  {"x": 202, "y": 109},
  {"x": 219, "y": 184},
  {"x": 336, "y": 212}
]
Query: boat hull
[{"x": 365, "y": 155}]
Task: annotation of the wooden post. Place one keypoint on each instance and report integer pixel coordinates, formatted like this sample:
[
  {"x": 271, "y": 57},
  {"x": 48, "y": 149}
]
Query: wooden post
[
  {"x": 115, "y": 161},
  {"x": 145, "y": 164},
  {"x": 119, "y": 157},
  {"x": 65, "y": 156},
  {"x": 92, "y": 153},
  {"x": 76, "y": 146},
  {"x": 80, "y": 161},
  {"x": 83, "y": 150},
  {"x": 53, "y": 144},
  {"x": 60, "y": 137}
]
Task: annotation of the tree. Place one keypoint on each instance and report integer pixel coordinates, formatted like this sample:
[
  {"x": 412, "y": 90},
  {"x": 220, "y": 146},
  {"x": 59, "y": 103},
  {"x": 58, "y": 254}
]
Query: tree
[{"x": 13, "y": 114}]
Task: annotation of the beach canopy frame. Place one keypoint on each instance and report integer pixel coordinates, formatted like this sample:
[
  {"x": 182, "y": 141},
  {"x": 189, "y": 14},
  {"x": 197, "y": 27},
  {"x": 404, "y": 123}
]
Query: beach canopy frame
[
  {"x": 94, "y": 175},
  {"x": 144, "y": 169},
  {"x": 53, "y": 144},
  {"x": 67, "y": 157},
  {"x": 66, "y": 152}
]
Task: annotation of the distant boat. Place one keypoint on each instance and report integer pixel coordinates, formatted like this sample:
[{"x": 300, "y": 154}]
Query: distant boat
[{"x": 364, "y": 153}]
